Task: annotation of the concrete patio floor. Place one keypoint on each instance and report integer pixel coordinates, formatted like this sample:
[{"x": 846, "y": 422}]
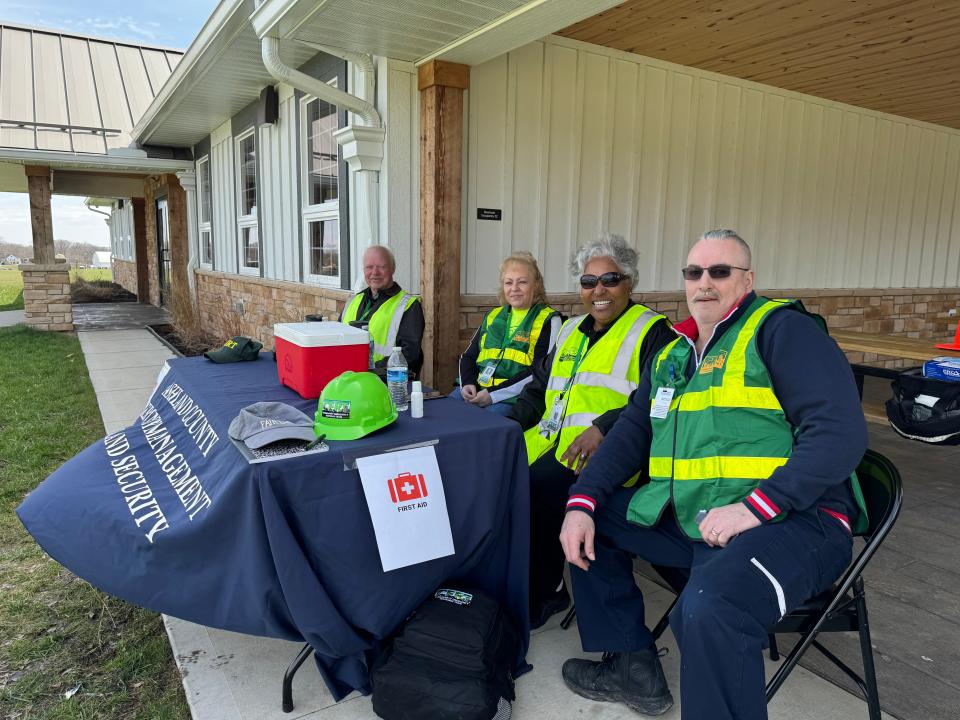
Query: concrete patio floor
[{"x": 237, "y": 677}]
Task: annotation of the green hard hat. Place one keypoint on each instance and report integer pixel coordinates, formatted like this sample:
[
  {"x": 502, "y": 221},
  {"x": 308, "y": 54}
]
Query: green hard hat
[{"x": 352, "y": 405}]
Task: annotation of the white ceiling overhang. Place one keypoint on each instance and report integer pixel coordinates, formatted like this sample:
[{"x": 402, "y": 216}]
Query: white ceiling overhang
[
  {"x": 222, "y": 71},
  {"x": 219, "y": 75},
  {"x": 422, "y": 30}
]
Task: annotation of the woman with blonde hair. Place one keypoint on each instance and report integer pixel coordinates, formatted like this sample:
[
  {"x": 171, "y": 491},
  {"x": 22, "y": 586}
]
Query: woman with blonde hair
[{"x": 498, "y": 363}]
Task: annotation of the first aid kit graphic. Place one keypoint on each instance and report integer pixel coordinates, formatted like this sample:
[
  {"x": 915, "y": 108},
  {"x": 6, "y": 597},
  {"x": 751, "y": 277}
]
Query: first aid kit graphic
[{"x": 406, "y": 487}]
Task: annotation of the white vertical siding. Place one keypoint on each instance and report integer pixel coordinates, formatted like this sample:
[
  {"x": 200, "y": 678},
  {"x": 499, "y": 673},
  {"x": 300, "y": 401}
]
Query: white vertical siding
[
  {"x": 223, "y": 196},
  {"x": 280, "y": 214},
  {"x": 399, "y": 192},
  {"x": 570, "y": 140}
]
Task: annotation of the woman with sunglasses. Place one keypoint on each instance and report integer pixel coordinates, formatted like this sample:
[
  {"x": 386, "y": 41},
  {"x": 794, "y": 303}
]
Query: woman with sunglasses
[
  {"x": 575, "y": 397},
  {"x": 496, "y": 366}
]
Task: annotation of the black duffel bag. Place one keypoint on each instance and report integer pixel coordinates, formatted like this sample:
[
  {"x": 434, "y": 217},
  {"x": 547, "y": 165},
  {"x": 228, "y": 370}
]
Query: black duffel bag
[
  {"x": 452, "y": 659},
  {"x": 924, "y": 408}
]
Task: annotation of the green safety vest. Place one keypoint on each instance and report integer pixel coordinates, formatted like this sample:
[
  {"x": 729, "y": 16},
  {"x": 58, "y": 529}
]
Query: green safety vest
[
  {"x": 512, "y": 355},
  {"x": 605, "y": 376},
  {"x": 725, "y": 430},
  {"x": 384, "y": 323}
]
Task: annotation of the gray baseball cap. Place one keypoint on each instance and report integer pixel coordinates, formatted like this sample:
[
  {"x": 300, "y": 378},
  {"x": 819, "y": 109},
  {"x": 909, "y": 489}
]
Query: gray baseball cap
[{"x": 266, "y": 422}]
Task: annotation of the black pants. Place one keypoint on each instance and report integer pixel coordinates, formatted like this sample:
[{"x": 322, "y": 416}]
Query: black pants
[
  {"x": 549, "y": 483},
  {"x": 733, "y": 596}
]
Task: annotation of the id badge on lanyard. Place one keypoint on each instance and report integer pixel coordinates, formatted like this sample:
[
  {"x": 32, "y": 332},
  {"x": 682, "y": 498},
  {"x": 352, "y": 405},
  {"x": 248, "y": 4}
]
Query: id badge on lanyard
[
  {"x": 552, "y": 423},
  {"x": 487, "y": 375}
]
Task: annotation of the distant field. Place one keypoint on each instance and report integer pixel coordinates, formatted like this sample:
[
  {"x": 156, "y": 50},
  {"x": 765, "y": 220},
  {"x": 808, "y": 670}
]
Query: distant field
[{"x": 11, "y": 284}]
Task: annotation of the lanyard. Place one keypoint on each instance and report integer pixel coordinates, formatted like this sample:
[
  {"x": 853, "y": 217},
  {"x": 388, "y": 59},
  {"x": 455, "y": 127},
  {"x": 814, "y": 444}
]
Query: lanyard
[
  {"x": 366, "y": 309},
  {"x": 524, "y": 325},
  {"x": 576, "y": 364}
]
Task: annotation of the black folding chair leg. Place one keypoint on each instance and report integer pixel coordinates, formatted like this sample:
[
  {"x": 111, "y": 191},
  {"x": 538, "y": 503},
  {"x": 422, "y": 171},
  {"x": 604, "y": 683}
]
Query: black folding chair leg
[
  {"x": 664, "y": 620},
  {"x": 774, "y": 650},
  {"x": 568, "y": 618},
  {"x": 287, "y": 690},
  {"x": 866, "y": 649}
]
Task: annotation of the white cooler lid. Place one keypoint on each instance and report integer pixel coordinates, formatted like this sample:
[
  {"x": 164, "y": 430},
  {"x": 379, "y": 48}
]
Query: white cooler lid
[{"x": 321, "y": 334}]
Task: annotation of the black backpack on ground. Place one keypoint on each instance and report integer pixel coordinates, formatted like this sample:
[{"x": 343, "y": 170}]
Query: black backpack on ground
[
  {"x": 925, "y": 409},
  {"x": 452, "y": 659}
]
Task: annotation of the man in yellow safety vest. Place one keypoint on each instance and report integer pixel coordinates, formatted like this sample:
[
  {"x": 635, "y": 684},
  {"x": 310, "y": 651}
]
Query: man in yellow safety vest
[
  {"x": 749, "y": 426},
  {"x": 394, "y": 317}
]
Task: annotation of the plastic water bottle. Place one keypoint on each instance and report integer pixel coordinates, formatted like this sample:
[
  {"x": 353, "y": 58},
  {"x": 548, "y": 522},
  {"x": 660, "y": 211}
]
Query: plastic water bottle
[
  {"x": 416, "y": 400},
  {"x": 397, "y": 379}
]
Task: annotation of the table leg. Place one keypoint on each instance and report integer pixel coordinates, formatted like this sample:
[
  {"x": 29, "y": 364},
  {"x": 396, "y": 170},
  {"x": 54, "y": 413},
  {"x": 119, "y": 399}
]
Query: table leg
[
  {"x": 287, "y": 691},
  {"x": 858, "y": 377}
]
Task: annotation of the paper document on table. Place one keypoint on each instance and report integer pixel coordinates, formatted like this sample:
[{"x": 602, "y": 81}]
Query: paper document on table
[{"x": 405, "y": 497}]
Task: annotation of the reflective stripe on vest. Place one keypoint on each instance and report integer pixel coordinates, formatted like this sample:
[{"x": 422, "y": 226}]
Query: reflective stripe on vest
[
  {"x": 725, "y": 430},
  {"x": 606, "y": 376},
  {"x": 517, "y": 356},
  {"x": 384, "y": 324}
]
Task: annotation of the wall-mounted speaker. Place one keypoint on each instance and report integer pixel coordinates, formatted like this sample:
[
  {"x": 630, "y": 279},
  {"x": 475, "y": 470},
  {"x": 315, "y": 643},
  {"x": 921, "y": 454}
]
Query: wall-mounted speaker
[{"x": 268, "y": 108}]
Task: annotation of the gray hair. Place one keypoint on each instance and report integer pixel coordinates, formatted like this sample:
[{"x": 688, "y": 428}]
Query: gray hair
[
  {"x": 730, "y": 235},
  {"x": 606, "y": 245},
  {"x": 387, "y": 253}
]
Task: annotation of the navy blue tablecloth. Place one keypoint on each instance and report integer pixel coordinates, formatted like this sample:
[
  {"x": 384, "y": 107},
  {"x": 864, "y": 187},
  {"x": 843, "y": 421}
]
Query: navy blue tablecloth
[{"x": 171, "y": 515}]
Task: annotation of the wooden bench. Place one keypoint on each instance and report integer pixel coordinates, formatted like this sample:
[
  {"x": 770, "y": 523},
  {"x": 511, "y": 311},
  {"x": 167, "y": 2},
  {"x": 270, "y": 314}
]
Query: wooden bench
[{"x": 916, "y": 350}]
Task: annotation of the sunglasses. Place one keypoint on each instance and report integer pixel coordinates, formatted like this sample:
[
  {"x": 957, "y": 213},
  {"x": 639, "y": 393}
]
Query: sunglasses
[
  {"x": 608, "y": 279},
  {"x": 717, "y": 272}
]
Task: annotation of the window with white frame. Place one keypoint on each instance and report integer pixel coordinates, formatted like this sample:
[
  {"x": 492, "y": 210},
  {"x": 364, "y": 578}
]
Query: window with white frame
[
  {"x": 206, "y": 211},
  {"x": 121, "y": 234},
  {"x": 320, "y": 169},
  {"x": 247, "y": 229}
]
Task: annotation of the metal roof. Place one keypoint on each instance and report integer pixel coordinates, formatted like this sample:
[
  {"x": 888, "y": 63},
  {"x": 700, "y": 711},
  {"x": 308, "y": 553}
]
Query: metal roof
[{"x": 60, "y": 91}]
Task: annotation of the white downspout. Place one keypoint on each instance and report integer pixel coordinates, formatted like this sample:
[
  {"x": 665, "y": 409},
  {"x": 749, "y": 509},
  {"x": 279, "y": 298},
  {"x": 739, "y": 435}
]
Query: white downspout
[
  {"x": 270, "y": 51},
  {"x": 362, "y": 146}
]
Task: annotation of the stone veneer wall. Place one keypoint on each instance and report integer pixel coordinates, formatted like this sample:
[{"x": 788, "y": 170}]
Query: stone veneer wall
[
  {"x": 909, "y": 312},
  {"x": 236, "y": 305},
  {"x": 46, "y": 297},
  {"x": 125, "y": 274}
]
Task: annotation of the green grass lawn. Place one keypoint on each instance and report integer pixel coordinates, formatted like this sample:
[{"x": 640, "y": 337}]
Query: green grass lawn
[
  {"x": 11, "y": 288},
  {"x": 11, "y": 283},
  {"x": 57, "y": 632}
]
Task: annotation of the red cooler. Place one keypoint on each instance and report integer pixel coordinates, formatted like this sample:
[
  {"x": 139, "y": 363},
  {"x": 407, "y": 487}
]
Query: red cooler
[{"x": 309, "y": 355}]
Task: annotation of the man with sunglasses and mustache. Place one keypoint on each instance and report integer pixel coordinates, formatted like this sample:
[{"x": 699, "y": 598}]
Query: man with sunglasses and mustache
[{"x": 749, "y": 424}]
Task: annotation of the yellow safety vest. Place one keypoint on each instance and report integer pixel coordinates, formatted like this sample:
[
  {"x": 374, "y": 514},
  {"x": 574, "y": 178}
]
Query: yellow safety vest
[
  {"x": 384, "y": 323},
  {"x": 605, "y": 375}
]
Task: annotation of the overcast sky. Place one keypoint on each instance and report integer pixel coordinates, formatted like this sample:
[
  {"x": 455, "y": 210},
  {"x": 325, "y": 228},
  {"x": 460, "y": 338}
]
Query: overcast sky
[{"x": 170, "y": 23}]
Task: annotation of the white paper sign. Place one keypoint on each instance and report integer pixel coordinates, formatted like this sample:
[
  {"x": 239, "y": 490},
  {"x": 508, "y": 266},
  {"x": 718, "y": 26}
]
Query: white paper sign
[{"x": 404, "y": 493}]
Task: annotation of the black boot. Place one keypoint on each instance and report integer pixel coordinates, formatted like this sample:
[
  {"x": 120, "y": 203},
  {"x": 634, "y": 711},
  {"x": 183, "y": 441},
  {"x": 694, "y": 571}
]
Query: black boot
[{"x": 635, "y": 679}]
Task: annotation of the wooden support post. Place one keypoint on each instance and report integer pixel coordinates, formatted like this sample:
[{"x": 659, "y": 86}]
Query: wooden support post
[
  {"x": 140, "y": 250},
  {"x": 41, "y": 218},
  {"x": 441, "y": 87}
]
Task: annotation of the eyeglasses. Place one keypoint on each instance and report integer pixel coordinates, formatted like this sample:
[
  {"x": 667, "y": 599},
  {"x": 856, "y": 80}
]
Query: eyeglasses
[
  {"x": 717, "y": 272},
  {"x": 608, "y": 279}
]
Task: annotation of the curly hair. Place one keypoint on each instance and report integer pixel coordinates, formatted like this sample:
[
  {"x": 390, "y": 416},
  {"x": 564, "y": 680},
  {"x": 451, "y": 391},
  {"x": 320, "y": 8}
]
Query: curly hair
[{"x": 606, "y": 245}]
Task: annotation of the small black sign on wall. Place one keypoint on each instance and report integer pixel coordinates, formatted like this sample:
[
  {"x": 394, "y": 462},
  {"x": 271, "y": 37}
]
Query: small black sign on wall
[{"x": 489, "y": 214}]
